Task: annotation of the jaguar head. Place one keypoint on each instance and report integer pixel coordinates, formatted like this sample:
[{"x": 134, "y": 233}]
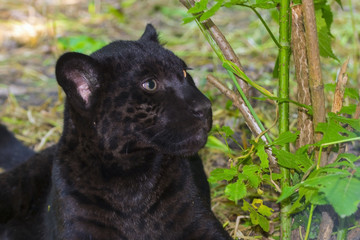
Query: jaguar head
[{"x": 132, "y": 95}]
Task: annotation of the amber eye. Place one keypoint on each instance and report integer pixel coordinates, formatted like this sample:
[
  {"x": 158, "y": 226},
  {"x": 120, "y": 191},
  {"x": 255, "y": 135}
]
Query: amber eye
[
  {"x": 149, "y": 85},
  {"x": 184, "y": 73}
]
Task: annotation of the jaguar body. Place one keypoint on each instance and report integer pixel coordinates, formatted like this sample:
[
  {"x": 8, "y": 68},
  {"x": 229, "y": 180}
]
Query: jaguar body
[{"x": 126, "y": 166}]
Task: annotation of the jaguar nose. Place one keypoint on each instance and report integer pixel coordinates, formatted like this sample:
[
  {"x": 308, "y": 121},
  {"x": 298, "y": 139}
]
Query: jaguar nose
[{"x": 201, "y": 109}]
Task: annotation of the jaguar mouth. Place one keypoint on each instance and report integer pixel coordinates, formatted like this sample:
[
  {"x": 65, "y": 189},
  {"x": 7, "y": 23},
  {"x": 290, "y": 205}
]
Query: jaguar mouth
[{"x": 182, "y": 143}]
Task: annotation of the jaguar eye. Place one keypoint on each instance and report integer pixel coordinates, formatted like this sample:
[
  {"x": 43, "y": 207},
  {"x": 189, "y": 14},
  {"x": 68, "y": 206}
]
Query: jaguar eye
[
  {"x": 184, "y": 73},
  {"x": 149, "y": 85}
]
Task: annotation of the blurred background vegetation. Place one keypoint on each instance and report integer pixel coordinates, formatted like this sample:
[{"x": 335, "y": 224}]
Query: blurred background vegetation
[{"x": 34, "y": 33}]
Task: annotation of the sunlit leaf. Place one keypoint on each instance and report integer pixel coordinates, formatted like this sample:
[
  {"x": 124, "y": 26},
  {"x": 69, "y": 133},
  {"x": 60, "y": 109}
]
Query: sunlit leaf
[
  {"x": 265, "y": 210},
  {"x": 199, "y": 6},
  {"x": 354, "y": 123},
  {"x": 260, "y": 152},
  {"x": 287, "y": 191},
  {"x": 286, "y": 137},
  {"x": 189, "y": 19},
  {"x": 324, "y": 37},
  {"x": 298, "y": 161},
  {"x": 220, "y": 174},
  {"x": 264, "y": 223},
  {"x": 227, "y": 130},
  {"x": 339, "y": 2},
  {"x": 215, "y": 143},
  {"x": 352, "y": 93},
  {"x": 235, "y": 191},
  {"x": 211, "y": 11},
  {"x": 333, "y": 132},
  {"x": 327, "y": 15},
  {"x": 252, "y": 174},
  {"x": 343, "y": 194},
  {"x": 348, "y": 109},
  {"x": 348, "y": 156}
]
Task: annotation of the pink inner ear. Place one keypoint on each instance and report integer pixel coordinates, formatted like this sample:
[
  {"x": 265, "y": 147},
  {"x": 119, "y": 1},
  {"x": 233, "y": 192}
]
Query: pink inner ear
[
  {"x": 84, "y": 91},
  {"x": 82, "y": 86}
]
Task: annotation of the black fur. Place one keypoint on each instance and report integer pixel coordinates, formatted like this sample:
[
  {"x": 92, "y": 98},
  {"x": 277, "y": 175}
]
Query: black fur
[
  {"x": 12, "y": 151},
  {"x": 126, "y": 166}
]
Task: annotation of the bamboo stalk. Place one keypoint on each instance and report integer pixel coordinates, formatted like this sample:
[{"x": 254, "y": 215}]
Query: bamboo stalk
[{"x": 284, "y": 60}]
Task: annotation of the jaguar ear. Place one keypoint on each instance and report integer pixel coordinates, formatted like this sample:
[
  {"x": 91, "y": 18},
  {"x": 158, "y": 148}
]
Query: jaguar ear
[
  {"x": 78, "y": 75},
  {"x": 149, "y": 34}
]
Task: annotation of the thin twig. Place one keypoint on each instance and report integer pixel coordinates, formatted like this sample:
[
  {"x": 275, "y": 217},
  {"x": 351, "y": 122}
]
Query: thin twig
[
  {"x": 223, "y": 44},
  {"x": 249, "y": 119}
]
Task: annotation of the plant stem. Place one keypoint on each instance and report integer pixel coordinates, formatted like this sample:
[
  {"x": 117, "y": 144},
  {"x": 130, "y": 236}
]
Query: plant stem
[
  {"x": 232, "y": 76},
  {"x": 309, "y": 221},
  {"x": 342, "y": 232},
  {"x": 284, "y": 60}
]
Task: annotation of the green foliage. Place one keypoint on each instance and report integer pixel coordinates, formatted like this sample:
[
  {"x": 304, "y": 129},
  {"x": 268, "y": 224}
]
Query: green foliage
[
  {"x": 324, "y": 17},
  {"x": 336, "y": 184},
  {"x": 83, "y": 44},
  {"x": 259, "y": 213}
]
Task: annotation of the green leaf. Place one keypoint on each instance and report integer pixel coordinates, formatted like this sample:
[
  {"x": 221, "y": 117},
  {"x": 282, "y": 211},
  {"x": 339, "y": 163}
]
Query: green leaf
[
  {"x": 339, "y": 2},
  {"x": 260, "y": 152},
  {"x": 81, "y": 43},
  {"x": 265, "y": 210},
  {"x": 246, "y": 206},
  {"x": 255, "y": 213},
  {"x": 227, "y": 130},
  {"x": 220, "y": 174},
  {"x": 348, "y": 109},
  {"x": 235, "y": 191},
  {"x": 352, "y": 93},
  {"x": 337, "y": 164},
  {"x": 343, "y": 194},
  {"x": 327, "y": 15},
  {"x": 324, "y": 37},
  {"x": 317, "y": 181},
  {"x": 299, "y": 204},
  {"x": 215, "y": 143},
  {"x": 298, "y": 161},
  {"x": 354, "y": 123},
  {"x": 287, "y": 192},
  {"x": 211, "y": 11},
  {"x": 286, "y": 137},
  {"x": 199, "y": 6},
  {"x": 264, "y": 223},
  {"x": 189, "y": 19},
  {"x": 276, "y": 176},
  {"x": 318, "y": 199},
  {"x": 333, "y": 132},
  {"x": 252, "y": 174},
  {"x": 348, "y": 156}
]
